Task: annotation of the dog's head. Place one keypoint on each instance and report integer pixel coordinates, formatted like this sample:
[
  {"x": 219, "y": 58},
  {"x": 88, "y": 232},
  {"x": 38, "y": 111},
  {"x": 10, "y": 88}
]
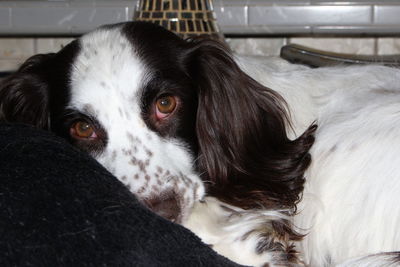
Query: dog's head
[{"x": 169, "y": 118}]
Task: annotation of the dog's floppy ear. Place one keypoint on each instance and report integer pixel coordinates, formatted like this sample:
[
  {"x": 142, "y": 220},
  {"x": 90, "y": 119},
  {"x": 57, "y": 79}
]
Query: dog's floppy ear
[
  {"x": 244, "y": 151},
  {"x": 24, "y": 95}
]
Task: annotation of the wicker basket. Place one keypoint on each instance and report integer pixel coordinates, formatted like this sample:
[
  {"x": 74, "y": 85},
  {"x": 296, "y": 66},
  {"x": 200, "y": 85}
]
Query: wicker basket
[{"x": 187, "y": 18}]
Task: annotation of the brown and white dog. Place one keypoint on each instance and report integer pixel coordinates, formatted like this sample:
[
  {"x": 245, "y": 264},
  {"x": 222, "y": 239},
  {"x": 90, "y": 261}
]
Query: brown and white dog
[{"x": 203, "y": 144}]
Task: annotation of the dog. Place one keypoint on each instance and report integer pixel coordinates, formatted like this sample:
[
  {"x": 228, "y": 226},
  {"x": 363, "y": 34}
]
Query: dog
[{"x": 223, "y": 145}]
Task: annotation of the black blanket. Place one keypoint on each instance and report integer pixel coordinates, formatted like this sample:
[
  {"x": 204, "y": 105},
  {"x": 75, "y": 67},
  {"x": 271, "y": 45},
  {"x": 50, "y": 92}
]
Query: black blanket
[{"x": 59, "y": 207}]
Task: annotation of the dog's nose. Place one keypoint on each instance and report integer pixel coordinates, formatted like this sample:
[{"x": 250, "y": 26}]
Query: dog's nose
[{"x": 166, "y": 205}]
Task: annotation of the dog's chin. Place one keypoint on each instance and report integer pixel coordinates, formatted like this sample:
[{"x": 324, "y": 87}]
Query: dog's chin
[{"x": 167, "y": 205}]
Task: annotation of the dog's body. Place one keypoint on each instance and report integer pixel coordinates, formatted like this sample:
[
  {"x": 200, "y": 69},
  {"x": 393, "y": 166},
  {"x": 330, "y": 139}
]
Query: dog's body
[
  {"x": 347, "y": 209},
  {"x": 174, "y": 119}
]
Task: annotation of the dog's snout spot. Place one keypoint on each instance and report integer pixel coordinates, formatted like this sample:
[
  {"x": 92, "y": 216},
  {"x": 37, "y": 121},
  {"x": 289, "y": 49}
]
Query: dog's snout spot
[
  {"x": 159, "y": 169},
  {"x": 133, "y": 161},
  {"x": 149, "y": 153}
]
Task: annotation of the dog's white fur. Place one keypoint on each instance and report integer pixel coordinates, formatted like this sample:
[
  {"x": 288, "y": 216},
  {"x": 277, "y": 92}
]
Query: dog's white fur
[
  {"x": 234, "y": 232},
  {"x": 374, "y": 260},
  {"x": 350, "y": 203},
  {"x": 105, "y": 84}
]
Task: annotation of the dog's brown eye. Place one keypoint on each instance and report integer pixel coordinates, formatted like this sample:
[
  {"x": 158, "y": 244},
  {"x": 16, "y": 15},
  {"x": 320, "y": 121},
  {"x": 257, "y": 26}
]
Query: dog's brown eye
[
  {"x": 166, "y": 104},
  {"x": 82, "y": 129}
]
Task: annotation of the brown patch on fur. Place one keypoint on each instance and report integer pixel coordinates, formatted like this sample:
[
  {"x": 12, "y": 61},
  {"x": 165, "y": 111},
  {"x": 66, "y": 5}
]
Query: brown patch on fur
[
  {"x": 149, "y": 153},
  {"x": 159, "y": 169},
  {"x": 127, "y": 152},
  {"x": 141, "y": 190},
  {"x": 133, "y": 161},
  {"x": 142, "y": 165},
  {"x": 279, "y": 237}
]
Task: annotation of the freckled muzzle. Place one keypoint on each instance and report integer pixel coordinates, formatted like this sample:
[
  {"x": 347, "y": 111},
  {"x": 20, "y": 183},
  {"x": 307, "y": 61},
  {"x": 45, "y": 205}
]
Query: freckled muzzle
[{"x": 158, "y": 171}]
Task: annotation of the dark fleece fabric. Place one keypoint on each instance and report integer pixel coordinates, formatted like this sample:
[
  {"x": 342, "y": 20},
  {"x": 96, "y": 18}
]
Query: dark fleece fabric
[{"x": 59, "y": 207}]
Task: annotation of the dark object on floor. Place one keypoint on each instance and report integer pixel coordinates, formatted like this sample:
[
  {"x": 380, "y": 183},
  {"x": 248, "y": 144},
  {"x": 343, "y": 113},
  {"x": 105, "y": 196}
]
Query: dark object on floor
[
  {"x": 318, "y": 58},
  {"x": 59, "y": 207}
]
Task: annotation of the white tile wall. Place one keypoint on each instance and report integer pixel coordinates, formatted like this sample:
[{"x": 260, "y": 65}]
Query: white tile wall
[
  {"x": 256, "y": 46},
  {"x": 16, "y": 48},
  {"x": 387, "y": 46},
  {"x": 13, "y": 51},
  {"x": 47, "y": 45},
  {"x": 10, "y": 64}
]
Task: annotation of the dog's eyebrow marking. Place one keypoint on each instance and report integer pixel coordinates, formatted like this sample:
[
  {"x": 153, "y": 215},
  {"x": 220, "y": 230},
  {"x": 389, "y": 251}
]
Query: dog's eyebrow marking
[{"x": 89, "y": 109}]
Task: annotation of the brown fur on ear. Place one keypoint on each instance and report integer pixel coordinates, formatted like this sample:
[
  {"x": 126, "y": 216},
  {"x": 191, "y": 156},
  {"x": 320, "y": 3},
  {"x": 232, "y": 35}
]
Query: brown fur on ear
[
  {"x": 37, "y": 87},
  {"x": 244, "y": 151},
  {"x": 24, "y": 95}
]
